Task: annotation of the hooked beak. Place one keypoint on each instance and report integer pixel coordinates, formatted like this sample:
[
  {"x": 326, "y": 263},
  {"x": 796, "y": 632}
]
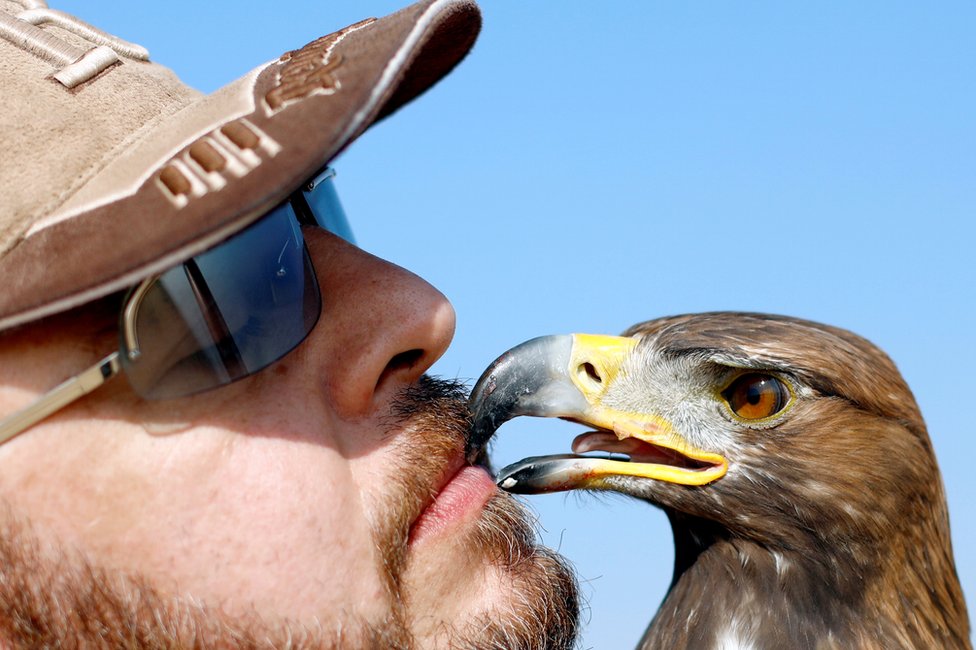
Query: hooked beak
[{"x": 567, "y": 377}]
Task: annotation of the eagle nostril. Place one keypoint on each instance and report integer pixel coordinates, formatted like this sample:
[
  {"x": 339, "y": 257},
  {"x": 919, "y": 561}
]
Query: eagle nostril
[{"x": 588, "y": 371}]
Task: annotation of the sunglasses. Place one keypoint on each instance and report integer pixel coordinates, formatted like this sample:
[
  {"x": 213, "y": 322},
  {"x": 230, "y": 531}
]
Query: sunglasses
[{"x": 220, "y": 316}]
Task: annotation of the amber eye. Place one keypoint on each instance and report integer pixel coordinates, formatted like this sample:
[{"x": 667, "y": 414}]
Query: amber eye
[{"x": 755, "y": 396}]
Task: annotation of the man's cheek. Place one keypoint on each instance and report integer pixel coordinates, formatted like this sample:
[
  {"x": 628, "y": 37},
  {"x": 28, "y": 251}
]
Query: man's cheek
[
  {"x": 254, "y": 523},
  {"x": 284, "y": 519}
]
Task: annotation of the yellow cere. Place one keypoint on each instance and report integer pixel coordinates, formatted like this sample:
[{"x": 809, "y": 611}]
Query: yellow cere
[{"x": 595, "y": 362}]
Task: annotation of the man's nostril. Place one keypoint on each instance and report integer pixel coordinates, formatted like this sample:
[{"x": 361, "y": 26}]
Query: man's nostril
[
  {"x": 404, "y": 360},
  {"x": 398, "y": 362}
]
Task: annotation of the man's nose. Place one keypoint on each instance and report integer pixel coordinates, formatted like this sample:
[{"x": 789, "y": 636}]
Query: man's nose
[{"x": 381, "y": 326}]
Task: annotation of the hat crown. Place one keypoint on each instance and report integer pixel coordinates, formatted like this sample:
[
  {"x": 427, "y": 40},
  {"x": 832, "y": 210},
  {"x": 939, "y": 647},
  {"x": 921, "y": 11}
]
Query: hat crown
[{"x": 74, "y": 96}]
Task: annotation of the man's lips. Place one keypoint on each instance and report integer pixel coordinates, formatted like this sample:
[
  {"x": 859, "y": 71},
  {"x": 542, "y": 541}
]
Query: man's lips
[{"x": 465, "y": 493}]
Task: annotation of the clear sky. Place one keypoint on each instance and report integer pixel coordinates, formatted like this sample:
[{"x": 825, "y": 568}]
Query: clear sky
[{"x": 595, "y": 164}]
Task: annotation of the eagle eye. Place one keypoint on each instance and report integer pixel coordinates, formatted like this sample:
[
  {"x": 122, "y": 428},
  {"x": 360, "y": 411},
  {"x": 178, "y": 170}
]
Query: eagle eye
[{"x": 755, "y": 396}]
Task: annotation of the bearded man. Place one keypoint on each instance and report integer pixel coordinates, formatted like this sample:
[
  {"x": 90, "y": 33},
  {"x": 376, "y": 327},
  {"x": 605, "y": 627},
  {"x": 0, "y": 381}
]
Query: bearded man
[{"x": 273, "y": 468}]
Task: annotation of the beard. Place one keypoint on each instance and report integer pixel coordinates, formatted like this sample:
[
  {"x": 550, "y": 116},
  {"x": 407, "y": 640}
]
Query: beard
[{"x": 52, "y": 597}]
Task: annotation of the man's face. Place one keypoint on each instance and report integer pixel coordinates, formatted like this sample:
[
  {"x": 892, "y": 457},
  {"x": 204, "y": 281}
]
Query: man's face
[{"x": 325, "y": 497}]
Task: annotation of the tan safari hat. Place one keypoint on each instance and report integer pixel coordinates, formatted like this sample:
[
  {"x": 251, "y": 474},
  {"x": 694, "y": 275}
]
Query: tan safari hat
[{"x": 114, "y": 170}]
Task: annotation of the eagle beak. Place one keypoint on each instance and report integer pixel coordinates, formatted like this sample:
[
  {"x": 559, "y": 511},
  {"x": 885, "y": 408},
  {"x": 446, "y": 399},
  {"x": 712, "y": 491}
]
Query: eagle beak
[{"x": 567, "y": 377}]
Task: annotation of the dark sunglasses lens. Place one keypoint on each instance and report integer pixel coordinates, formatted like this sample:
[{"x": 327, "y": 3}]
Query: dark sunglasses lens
[
  {"x": 326, "y": 210},
  {"x": 226, "y": 313}
]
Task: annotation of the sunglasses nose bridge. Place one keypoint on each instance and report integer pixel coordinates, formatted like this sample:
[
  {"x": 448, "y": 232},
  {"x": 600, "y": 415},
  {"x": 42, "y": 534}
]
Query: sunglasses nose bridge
[{"x": 316, "y": 203}]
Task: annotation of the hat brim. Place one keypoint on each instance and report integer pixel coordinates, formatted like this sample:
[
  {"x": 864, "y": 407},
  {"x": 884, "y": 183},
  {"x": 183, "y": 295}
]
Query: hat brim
[{"x": 217, "y": 165}]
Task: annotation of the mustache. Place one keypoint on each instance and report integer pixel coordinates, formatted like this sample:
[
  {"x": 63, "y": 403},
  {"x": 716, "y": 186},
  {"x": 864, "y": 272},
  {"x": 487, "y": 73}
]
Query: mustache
[
  {"x": 440, "y": 405},
  {"x": 434, "y": 400}
]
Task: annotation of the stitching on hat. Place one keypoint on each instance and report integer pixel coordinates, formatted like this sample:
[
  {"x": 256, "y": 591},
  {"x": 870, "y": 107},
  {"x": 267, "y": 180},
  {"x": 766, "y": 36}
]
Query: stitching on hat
[
  {"x": 309, "y": 70},
  {"x": 38, "y": 42},
  {"x": 234, "y": 164},
  {"x": 77, "y": 65},
  {"x": 201, "y": 167},
  {"x": 90, "y": 65},
  {"x": 213, "y": 179},
  {"x": 42, "y": 15},
  {"x": 32, "y": 4}
]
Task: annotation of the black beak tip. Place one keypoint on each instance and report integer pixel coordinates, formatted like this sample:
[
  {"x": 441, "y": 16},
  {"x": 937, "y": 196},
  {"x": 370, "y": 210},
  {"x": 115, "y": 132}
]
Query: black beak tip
[
  {"x": 482, "y": 429},
  {"x": 484, "y": 409}
]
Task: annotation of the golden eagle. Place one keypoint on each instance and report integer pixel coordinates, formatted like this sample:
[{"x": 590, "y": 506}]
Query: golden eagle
[{"x": 790, "y": 457}]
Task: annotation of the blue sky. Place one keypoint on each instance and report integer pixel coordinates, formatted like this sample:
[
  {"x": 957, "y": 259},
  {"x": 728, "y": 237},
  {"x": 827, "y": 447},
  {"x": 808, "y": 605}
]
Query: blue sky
[{"x": 592, "y": 165}]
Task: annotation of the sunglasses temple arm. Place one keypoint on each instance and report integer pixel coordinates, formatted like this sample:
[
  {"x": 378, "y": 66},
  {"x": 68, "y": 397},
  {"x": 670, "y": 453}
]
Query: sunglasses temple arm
[{"x": 59, "y": 397}]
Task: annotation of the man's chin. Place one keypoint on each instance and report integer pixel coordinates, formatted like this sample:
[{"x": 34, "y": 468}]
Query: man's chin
[
  {"x": 539, "y": 595},
  {"x": 490, "y": 586}
]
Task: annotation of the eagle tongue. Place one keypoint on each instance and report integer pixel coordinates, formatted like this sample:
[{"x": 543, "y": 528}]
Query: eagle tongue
[
  {"x": 637, "y": 450},
  {"x": 605, "y": 441}
]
